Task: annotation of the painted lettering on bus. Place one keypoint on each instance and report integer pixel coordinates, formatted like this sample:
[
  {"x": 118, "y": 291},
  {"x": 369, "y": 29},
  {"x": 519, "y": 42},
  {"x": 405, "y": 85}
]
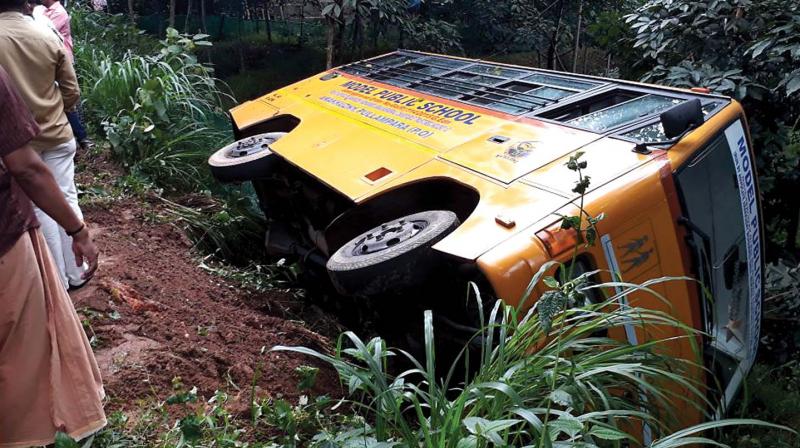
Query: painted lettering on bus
[
  {"x": 748, "y": 176},
  {"x": 398, "y": 98},
  {"x": 359, "y": 87},
  {"x": 450, "y": 112},
  {"x": 751, "y": 206},
  {"x": 413, "y": 102}
]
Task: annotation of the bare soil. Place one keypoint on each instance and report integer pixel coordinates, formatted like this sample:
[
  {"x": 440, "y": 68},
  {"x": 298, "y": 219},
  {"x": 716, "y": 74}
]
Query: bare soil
[{"x": 155, "y": 316}]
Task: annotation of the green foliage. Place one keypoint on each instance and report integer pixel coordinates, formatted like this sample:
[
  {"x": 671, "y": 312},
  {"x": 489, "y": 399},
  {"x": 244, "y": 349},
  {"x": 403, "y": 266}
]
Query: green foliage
[
  {"x": 161, "y": 110},
  {"x": 760, "y": 40},
  {"x": 770, "y": 393},
  {"x": 225, "y": 228},
  {"x": 355, "y": 27},
  {"x": 783, "y": 291},
  {"x": 114, "y": 33},
  {"x": 748, "y": 50},
  {"x": 587, "y": 235},
  {"x": 308, "y": 377},
  {"x": 158, "y": 111},
  {"x": 256, "y": 276},
  {"x": 501, "y": 26},
  {"x": 576, "y": 389},
  {"x": 437, "y": 36}
]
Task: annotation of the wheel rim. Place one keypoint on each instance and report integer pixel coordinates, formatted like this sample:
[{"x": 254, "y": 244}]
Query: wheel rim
[
  {"x": 250, "y": 145},
  {"x": 388, "y": 235}
]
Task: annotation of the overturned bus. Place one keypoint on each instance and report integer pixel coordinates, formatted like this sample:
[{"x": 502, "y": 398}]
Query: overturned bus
[{"x": 414, "y": 169}]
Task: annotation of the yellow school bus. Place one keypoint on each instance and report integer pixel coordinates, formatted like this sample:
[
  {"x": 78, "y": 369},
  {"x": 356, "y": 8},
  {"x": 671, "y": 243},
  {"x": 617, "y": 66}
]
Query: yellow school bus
[{"x": 414, "y": 169}]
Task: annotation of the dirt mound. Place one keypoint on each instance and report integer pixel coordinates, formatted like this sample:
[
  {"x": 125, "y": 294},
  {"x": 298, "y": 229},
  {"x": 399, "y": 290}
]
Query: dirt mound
[{"x": 154, "y": 315}]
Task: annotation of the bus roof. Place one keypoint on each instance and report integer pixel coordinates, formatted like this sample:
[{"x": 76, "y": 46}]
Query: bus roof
[{"x": 602, "y": 105}]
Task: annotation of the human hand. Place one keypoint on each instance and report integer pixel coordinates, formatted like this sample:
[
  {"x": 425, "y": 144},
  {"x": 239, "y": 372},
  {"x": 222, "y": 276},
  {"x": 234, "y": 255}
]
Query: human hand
[{"x": 85, "y": 251}]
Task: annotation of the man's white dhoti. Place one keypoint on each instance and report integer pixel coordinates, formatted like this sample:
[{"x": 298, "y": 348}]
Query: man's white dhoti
[{"x": 61, "y": 161}]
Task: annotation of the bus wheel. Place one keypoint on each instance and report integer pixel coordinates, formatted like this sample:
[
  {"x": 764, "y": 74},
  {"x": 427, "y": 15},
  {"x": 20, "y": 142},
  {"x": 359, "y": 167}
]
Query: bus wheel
[{"x": 392, "y": 256}]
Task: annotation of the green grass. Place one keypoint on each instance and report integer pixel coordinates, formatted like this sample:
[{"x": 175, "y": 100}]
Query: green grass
[
  {"x": 578, "y": 389},
  {"x": 771, "y": 393},
  {"x": 162, "y": 112}
]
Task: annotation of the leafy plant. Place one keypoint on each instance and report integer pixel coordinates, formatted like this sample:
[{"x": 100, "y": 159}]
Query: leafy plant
[
  {"x": 224, "y": 228},
  {"x": 577, "y": 388},
  {"x": 161, "y": 110},
  {"x": 158, "y": 111},
  {"x": 748, "y": 50}
]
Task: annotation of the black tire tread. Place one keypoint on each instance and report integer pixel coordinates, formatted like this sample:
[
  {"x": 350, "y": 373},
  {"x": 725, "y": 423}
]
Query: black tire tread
[{"x": 395, "y": 267}]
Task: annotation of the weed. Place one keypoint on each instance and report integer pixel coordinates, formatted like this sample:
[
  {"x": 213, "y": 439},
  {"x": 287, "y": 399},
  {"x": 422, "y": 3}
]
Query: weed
[
  {"x": 254, "y": 276},
  {"x": 308, "y": 377}
]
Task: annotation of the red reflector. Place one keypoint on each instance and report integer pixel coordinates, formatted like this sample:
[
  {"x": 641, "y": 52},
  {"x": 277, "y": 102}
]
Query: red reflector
[
  {"x": 701, "y": 89},
  {"x": 378, "y": 174},
  {"x": 558, "y": 240}
]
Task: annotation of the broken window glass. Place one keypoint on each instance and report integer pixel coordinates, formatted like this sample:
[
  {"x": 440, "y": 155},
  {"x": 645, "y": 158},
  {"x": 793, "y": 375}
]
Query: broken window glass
[{"x": 613, "y": 116}]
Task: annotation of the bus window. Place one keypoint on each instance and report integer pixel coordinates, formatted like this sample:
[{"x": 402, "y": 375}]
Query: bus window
[{"x": 716, "y": 188}]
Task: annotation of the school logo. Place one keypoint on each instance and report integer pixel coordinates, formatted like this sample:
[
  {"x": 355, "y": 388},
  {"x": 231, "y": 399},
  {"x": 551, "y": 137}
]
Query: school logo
[{"x": 518, "y": 151}]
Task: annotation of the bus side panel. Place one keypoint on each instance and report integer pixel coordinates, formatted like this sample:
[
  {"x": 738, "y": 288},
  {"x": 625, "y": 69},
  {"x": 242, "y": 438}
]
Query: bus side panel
[{"x": 639, "y": 240}]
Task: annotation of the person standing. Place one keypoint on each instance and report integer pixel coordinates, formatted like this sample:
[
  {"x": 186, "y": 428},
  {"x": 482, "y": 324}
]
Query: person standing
[
  {"x": 59, "y": 17},
  {"x": 41, "y": 20},
  {"x": 55, "y": 11},
  {"x": 41, "y": 69},
  {"x": 49, "y": 380}
]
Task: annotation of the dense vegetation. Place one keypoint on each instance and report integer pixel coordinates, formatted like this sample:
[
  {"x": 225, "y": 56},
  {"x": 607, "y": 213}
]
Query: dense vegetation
[
  {"x": 161, "y": 110},
  {"x": 745, "y": 49}
]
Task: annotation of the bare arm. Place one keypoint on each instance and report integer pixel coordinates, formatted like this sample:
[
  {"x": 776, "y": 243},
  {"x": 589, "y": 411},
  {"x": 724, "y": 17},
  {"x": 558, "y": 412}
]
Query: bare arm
[{"x": 35, "y": 178}]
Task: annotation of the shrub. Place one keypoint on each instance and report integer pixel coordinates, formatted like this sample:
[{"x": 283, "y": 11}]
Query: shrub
[
  {"x": 544, "y": 379},
  {"x": 160, "y": 112},
  {"x": 750, "y": 51}
]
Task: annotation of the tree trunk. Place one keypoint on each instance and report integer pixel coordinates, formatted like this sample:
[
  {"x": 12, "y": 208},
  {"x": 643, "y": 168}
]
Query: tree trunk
[
  {"x": 402, "y": 39},
  {"x": 340, "y": 39},
  {"x": 301, "y": 36},
  {"x": 221, "y": 30},
  {"x": 242, "y": 59},
  {"x": 793, "y": 233},
  {"x": 585, "y": 60},
  {"x": 203, "y": 16},
  {"x": 188, "y": 15},
  {"x": 577, "y": 37},
  {"x": 794, "y": 218},
  {"x": 358, "y": 43},
  {"x": 267, "y": 23},
  {"x": 551, "y": 50},
  {"x": 356, "y": 28},
  {"x": 172, "y": 13},
  {"x": 131, "y": 11},
  {"x": 331, "y": 30},
  {"x": 376, "y": 31}
]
